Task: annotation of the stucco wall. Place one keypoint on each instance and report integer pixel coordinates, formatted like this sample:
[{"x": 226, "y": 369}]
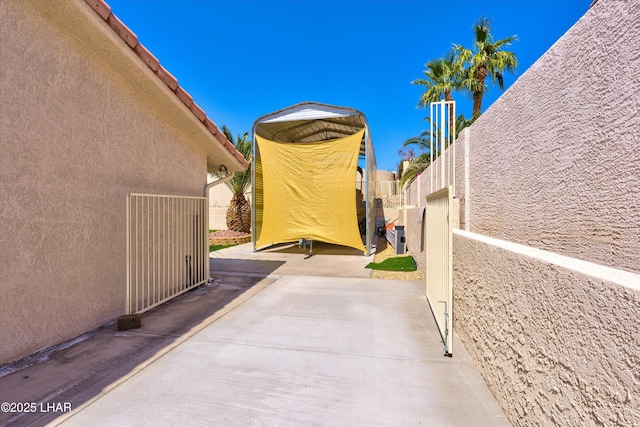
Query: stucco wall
[
  {"x": 415, "y": 237},
  {"x": 382, "y": 175},
  {"x": 219, "y": 198},
  {"x": 76, "y": 137},
  {"x": 555, "y": 162},
  {"x": 555, "y": 345},
  {"x": 217, "y": 218}
]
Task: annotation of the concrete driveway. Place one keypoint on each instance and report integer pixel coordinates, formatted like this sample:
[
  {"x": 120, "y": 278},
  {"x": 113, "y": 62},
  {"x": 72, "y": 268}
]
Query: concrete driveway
[{"x": 312, "y": 342}]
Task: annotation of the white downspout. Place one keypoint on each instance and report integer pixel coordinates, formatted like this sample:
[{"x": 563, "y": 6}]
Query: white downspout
[{"x": 207, "y": 268}]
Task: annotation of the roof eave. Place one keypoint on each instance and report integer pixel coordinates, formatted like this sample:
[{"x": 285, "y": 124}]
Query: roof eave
[{"x": 219, "y": 150}]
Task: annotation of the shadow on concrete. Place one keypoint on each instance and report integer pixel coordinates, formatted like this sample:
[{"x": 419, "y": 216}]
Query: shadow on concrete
[
  {"x": 224, "y": 265},
  {"x": 319, "y": 248},
  {"x": 78, "y": 370},
  {"x": 327, "y": 260}
]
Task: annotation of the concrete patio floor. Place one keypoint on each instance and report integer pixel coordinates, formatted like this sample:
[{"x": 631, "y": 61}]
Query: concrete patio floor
[{"x": 275, "y": 340}]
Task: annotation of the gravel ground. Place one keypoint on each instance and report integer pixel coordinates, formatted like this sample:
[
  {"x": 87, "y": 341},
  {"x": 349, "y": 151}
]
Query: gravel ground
[
  {"x": 227, "y": 234},
  {"x": 383, "y": 251}
]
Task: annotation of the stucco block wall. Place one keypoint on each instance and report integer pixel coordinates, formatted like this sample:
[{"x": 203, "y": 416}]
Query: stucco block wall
[
  {"x": 382, "y": 175},
  {"x": 76, "y": 137},
  {"x": 556, "y": 346},
  {"x": 555, "y": 162},
  {"x": 415, "y": 238}
]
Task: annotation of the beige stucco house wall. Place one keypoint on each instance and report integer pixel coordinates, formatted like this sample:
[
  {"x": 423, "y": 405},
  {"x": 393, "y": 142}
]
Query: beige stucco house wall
[
  {"x": 382, "y": 175},
  {"x": 219, "y": 199},
  {"x": 87, "y": 115},
  {"x": 547, "y": 276}
]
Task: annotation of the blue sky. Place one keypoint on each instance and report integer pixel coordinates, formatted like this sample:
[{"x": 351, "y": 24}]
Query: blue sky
[{"x": 241, "y": 59}]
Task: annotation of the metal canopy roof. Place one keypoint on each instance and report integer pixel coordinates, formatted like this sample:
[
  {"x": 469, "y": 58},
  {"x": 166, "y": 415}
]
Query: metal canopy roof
[{"x": 311, "y": 122}]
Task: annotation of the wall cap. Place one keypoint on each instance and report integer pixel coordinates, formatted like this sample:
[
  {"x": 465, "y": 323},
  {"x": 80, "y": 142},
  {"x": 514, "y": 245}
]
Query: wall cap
[{"x": 614, "y": 275}]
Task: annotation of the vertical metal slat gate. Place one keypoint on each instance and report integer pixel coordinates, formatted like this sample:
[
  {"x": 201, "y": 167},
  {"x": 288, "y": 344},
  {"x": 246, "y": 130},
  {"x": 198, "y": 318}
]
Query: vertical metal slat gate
[
  {"x": 439, "y": 271},
  {"x": 167, "y": 248}
]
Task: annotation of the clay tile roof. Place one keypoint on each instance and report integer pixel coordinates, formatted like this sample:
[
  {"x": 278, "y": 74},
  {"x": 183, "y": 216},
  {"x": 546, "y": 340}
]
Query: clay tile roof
[{"x": 104, "y": 10}]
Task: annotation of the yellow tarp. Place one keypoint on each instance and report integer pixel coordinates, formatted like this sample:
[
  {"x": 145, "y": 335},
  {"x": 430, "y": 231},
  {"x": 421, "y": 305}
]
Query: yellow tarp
[{"x": 309, "y": 191}]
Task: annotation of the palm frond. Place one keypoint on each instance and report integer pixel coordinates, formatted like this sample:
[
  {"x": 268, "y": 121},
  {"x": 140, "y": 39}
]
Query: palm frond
[
  {"x": 415, "y": 168},
  {"x": 442, "y": 77},
  {"x": 488, "y": 58},
  {"x": 241, "y": 180}
]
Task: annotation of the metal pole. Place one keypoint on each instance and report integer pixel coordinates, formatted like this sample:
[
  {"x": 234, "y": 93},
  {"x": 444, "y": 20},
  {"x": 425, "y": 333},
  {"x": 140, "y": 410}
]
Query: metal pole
[
  {"x": 443, "y": 107},
  {"x": 254, "y": 156},
  {"x": 366, "y": 184},
  {"x": 431, "y": 109},
  {"x": 128, "y": 255},
  {"x": 453, "y": 139}
]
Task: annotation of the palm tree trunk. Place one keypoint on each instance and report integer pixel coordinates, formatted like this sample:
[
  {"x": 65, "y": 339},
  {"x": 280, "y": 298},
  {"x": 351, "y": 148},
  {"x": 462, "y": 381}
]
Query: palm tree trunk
[
  {"x": 239, "y": 214},
  {"x": 481, "y": 75},
  {"x": 477, "y": 104}
]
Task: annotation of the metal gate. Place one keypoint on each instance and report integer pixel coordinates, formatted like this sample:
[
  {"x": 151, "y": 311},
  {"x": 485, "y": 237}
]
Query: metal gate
[
  {"x": 443, "y": 135},
  {"x": 167, "y": 248},
  {"x": 439, "y": 268}
]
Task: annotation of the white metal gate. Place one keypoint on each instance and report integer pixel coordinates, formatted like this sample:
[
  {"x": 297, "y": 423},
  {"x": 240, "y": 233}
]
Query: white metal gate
[
  {"x": 443, "y": 136},
  {"x": 167, "y": 248},
  {"x": 439, "y": 267}
]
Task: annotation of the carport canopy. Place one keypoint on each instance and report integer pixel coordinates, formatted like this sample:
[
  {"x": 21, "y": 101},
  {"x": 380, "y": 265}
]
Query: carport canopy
[{"x": 305, "y": 161}]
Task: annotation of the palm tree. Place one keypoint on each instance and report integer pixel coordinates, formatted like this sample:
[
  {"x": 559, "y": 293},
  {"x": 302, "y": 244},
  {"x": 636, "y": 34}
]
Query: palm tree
[
  {"x": 443, "y": 76},
  {"x": 239, "y": 212},
  {"x": 414, "y": 168},
  {"x": 417, "y": 165},
  {"x": 423, "y": 141},
  {"x": 487, "y": 59},
  {"x": 462, "y": 122}
]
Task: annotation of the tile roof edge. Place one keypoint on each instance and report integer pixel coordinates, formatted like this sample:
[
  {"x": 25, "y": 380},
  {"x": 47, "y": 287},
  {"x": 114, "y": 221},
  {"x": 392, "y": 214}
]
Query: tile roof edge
[{"x": 104, "y": 10}]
